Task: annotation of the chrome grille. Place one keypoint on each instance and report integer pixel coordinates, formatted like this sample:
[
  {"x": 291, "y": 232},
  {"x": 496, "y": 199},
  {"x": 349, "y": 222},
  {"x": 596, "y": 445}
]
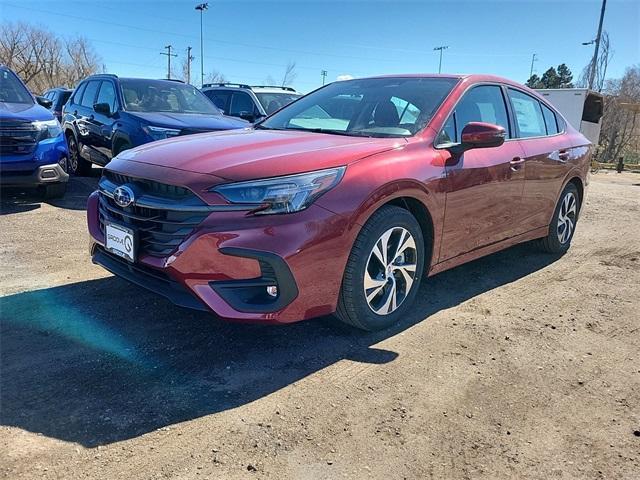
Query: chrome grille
[
  {"x": 18, "y": 138},
  {"x": 163, "y": 215}
]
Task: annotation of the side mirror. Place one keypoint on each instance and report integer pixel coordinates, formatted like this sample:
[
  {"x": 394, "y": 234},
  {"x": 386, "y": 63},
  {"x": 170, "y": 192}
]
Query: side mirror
[
  {"x": 481, "y": 135},
  {"x": 45, "y": 102},
  {"x": 102, "y": 108}
]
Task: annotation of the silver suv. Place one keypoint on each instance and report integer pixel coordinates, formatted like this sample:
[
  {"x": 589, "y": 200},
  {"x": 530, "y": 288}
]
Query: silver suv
[{"x": 249, "y": 102}]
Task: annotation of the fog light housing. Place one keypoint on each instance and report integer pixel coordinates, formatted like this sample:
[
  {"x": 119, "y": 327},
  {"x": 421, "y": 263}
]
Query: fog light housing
[
  {"x": 272, "y": 291},
  {"x": 48, "y": 173}
]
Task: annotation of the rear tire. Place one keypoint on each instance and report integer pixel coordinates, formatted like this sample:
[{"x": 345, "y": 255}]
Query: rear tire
[
  {"x": 76, "y": 165},
  {"x": 383, "y": 272},
  {"x": 53, "y": 191},
  {"x": 563, "y": 223}
]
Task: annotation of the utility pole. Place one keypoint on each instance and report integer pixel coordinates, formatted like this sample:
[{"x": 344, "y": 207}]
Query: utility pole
[
  {"x": 441, "y": 48},
  {"x": 323, "y": 73},
  {"x": 189, "y": 59},
  {"x": 169, "y": 55},
  {"x": 594, "y": 62},
  {"x": 533, "y": 59},
  {"x": 202, "y": 7}
]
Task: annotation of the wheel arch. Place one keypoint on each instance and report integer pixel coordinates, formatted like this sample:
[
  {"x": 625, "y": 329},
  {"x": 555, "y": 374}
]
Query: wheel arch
[
  {"x": 119, "y": 138},
  {"x": 421, "y": 213}
]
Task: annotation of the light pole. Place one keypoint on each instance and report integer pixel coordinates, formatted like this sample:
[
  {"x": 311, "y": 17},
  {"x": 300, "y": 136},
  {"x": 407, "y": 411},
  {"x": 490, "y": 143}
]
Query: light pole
[
  {"x": 441, "y": 48},
  {"x": 323, "y": 74},
  {"x": 202, "y": 7}
]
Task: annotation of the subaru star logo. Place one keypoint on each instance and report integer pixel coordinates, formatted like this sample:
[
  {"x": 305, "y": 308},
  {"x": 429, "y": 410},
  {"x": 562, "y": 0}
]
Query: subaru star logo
[{"x": 123, "y": 196}]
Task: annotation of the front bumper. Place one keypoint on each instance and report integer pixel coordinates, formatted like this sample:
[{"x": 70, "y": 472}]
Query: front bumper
[
  {"x": 43, "y": 175},
  {"x": 228, "y": 262}
]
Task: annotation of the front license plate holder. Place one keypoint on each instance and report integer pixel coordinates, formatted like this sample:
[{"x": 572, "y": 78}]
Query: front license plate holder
[{"x": 121, "y": 241}]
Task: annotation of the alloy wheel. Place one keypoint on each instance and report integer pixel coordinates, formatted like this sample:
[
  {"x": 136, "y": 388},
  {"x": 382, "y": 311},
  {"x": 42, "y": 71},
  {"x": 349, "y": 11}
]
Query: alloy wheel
[
  {"x": 72, "y": 163},
  {"x": 390, "y": 271},
  {"x": 567, "y": 217}
]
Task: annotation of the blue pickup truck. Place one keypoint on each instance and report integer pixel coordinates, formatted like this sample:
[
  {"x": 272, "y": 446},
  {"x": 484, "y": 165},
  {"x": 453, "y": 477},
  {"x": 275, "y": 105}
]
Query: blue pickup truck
[{"x": 33, "y": 149}]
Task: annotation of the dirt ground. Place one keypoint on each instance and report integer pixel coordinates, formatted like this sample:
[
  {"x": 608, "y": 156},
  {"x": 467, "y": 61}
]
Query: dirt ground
[{"x": 519, "y": 365}]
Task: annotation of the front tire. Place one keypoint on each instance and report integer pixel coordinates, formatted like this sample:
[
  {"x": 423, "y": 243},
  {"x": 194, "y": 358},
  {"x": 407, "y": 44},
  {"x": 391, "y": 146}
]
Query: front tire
[
  {"x": 76, "y": 165},
  {"x": 383, "y": 272},
  {"x": 563, "y": 223}
]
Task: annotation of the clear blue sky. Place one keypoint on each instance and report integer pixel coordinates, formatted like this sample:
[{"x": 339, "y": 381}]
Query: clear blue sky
[{"x": 249, "y": 41}]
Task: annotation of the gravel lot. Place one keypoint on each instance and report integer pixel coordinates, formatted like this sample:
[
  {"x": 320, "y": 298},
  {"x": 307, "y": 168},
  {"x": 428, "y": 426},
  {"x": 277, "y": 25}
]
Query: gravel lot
[{"x": 519, "y": 365}]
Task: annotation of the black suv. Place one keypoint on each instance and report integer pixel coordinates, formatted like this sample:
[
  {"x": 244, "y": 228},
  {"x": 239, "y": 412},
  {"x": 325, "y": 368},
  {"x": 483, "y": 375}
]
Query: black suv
[
  {"x": 106, "y": 115},
  {"x": 249, "y": 102},
  {"x": 58, "y": 97}
]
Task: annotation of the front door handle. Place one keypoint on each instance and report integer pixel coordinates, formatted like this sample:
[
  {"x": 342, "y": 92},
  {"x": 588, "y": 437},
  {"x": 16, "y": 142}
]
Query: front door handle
[{"x": 516, "y": 163}]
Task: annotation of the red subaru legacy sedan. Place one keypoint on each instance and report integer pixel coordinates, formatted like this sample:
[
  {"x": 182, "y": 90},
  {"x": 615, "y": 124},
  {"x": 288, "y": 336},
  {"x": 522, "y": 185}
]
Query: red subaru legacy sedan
[{"x": 341, "y": 202}]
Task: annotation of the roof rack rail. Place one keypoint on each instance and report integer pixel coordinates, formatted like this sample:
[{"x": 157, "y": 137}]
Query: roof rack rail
[
  {"x": 289, "y": 89},
  {"x": 226, "y": 84},
  {"x": 112, "y": 75},
  {"x": 172, "y": 80}
]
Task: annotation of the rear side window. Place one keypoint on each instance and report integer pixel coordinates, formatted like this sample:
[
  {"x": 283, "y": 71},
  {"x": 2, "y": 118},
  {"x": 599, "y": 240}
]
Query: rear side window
[
  {"x": 528, "y": 114},
  {"x": 219, "y": 98},
  {"x": 89, "y": 94},
  {"x": 550, "y": 120},
  {"x": 77, "y": 94}
]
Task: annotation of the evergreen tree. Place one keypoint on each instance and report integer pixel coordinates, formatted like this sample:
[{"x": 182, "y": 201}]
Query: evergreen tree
[
  {"x": 565, "y": 76},
  {"x": 550, "y": 79},
  {"x": 534, "y": 82}
]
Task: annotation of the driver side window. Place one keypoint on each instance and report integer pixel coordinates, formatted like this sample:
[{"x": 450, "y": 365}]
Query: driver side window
[{"x": 484, "y": 103}]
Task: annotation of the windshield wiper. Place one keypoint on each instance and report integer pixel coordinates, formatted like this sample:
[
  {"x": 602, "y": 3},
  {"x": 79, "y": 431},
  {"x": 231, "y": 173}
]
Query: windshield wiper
[{"x": 345, "y": 133}]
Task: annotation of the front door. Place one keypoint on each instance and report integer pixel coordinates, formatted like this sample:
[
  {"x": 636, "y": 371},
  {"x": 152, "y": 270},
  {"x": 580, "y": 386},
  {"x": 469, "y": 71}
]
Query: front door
[{"x": 485, "y": 185}]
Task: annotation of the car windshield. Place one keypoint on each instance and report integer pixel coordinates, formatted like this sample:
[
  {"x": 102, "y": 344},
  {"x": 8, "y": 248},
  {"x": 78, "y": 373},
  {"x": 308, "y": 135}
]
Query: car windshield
[
  {"x": 11, "y": 89},
  {"x": 272, "y": 102},
  {"x": 373, "y": 107},
  {"x": 164, "y": 96}
]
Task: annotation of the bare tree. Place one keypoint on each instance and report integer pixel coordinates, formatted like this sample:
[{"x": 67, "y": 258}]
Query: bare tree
[
  {"x": 618, "y": 123},
  {"x": 42, "y": 59},
  {"x": 215, "y": 77},
  {"x": 601, "y": 64},
  {"x": 290, "y": 74}
]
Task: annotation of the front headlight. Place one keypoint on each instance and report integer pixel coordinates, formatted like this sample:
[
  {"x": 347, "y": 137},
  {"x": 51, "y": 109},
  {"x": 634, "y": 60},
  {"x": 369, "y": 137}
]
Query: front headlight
[
  {"x": 281, "y": 194},
  {"x": 160, "y": 133},
  {"x": 47, "y": 129}
]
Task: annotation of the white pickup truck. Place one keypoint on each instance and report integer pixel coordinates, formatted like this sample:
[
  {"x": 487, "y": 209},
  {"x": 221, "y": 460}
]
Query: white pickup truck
[{"x": 580, "y": 106}]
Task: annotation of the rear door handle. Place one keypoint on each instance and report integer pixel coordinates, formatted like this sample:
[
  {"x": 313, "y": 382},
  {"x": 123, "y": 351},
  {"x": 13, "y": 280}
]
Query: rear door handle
[
  {"x": 563, "y": 155},
  {"x": 516, "y": 163}
]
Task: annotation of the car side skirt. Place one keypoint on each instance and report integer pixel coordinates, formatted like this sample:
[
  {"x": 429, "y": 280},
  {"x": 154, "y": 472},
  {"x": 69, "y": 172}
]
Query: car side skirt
[{"x": 488, "y": 250}]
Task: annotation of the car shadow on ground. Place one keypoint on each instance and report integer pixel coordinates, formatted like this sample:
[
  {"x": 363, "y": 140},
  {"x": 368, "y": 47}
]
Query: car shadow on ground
[
  {"x": 102, "y": 361},
  {"x": 16, "y": 200}
]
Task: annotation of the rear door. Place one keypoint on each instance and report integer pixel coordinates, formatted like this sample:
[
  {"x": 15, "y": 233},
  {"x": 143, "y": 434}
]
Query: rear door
[
  {"x": 484, "y": 187},
  {"x": 101, "y": 124},
  {"x": 546, "y": 152},
  {"x": 84, "y": 116}
]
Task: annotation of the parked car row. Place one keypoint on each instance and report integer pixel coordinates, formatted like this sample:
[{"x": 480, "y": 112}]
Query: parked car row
[{"x": 105, "y": 115}]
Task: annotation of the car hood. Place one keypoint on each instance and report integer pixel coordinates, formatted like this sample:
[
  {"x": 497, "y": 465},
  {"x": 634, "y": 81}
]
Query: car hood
[
  {"x": 26, "y": 112},
  {"x": 248, "y": 153},
  {"x": 190, "y": 120}
]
